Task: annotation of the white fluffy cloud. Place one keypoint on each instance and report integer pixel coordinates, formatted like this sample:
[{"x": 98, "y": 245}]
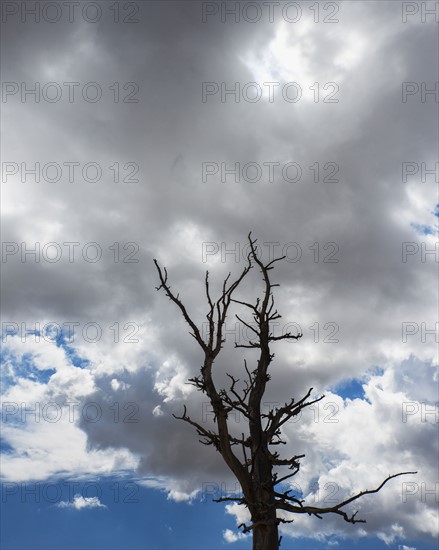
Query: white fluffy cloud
[
  {"x": 40, "y": 419},
  {"x": 232, "y": 536},
  {"x": 354, "y": 444},
  {"x": 79, "y": 503}
]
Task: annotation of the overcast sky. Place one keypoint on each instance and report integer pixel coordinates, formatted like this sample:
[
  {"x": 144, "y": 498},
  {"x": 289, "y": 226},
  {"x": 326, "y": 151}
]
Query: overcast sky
[{"x": 169, "y": 130}]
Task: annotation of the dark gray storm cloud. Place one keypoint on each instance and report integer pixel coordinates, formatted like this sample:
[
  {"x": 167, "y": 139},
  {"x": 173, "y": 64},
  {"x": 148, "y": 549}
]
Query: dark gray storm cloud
[{"x": 344, "y": 239}]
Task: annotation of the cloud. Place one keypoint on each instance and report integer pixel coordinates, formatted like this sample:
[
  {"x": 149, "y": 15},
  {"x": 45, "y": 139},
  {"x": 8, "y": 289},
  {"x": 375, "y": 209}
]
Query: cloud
[
  {"x": 80, "y": 503},
  {"x": 40, "y": 419},
  {"x": 230, "y": 536},
  {"x": 116, "y": 385},
  {"x": 354, "y": 444},
  {"x": 396, "y": 531},
  {"x": 352, "y": 312}
]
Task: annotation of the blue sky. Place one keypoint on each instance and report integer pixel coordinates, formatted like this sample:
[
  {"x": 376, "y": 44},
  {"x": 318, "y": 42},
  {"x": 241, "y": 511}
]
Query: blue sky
[{"x": 150, "y": 522}]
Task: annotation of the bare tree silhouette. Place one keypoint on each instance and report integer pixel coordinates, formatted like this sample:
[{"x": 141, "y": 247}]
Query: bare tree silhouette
[{"x": 250, "y": 457}]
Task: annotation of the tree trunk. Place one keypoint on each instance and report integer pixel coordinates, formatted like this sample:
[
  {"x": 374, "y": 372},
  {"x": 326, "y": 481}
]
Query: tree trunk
[
  {"x": 263, "y": 514},
  {"x": 265, "y": 537}
]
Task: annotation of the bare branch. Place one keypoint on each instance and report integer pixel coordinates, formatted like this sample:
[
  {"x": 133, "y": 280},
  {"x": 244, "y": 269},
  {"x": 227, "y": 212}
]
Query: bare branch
[
  {"x": 318, "y": 512},
  {"x": 283, "y": 414},
  {"x": 241, "y": 500},
  {"x": 164, "y": 284}
]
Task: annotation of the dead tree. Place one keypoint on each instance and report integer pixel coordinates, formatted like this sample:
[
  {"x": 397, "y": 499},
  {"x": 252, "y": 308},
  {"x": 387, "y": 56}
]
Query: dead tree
[{"x": 250, "y": 457}]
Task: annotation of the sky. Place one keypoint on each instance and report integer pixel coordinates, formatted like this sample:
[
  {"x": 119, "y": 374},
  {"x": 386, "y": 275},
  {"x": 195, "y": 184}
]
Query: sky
[{"x": 170, "y": 130}]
